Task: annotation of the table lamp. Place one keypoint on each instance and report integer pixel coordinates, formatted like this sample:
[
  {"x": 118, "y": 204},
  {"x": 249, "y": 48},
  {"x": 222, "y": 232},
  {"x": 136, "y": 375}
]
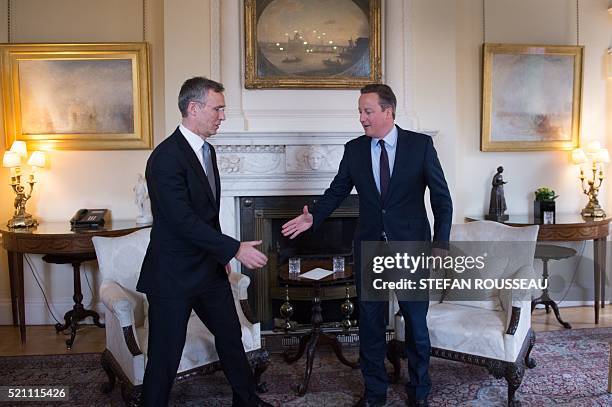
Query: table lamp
[
  {"x": 12, "y": 159},
  {"x": 597, "y": 156}
]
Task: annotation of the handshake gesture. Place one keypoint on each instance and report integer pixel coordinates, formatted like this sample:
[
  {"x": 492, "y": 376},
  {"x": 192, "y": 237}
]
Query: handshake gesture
[
  {"x": 252, "y": 258},
  {"x": 298, "y": 224}
]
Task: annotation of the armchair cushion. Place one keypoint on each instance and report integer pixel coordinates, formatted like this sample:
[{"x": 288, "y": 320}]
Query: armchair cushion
[
  {"x": 120, "y": 258},
  {"x": 466, "y": 329},
  {"x": 494, "y": 268},
  {"x": 507, "y": 250}
]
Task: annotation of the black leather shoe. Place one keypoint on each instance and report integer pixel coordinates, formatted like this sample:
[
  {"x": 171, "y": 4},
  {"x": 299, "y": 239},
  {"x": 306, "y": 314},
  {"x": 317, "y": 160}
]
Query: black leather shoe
[{"x": 365, "y": 403}]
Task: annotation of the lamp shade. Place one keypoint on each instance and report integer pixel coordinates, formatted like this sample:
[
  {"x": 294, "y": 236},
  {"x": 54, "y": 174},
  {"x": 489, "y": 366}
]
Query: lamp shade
[
  {"x": 578, "y": 156},
  {"x": 11, "y": 159},
  {"x": 602, "y": 156},
  {"x": 37, "y": 159},
  {"x": 20, "y": 148},
  {"x": 593, "y": 147}
]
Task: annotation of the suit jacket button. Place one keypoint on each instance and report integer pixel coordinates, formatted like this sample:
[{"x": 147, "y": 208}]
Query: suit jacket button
[{"x": 384, "y": 211}]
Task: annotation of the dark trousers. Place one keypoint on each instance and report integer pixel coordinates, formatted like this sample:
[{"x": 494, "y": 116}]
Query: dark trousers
[
  {"x": 168, "y": 318},
  {"x": 372, "y": 348}
]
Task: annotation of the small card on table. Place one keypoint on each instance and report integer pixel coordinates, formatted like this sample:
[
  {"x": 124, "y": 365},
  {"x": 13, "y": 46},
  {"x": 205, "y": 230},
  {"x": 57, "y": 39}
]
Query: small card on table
[{"x": 316, "y": 274}]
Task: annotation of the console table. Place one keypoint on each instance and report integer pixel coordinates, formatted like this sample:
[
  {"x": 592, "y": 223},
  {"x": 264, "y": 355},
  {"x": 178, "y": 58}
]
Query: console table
[
  {"x": 571, "y": 228},
  {"x": 54, "y": 239}
]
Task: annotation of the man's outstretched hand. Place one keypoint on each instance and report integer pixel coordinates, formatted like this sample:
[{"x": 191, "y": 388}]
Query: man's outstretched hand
[
  {"x": 249, "y": 256},
  {"x": 298, "y": 225}
]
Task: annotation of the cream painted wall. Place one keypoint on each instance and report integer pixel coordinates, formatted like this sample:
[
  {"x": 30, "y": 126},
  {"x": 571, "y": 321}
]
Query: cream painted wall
[
  {"x": 187, "y": 48},
  {"x": 77, "y": 179},
  {"x": 524, "y": 21},
  {"x": 446, "y": 37},
  {"x": 540, "y": 22}
]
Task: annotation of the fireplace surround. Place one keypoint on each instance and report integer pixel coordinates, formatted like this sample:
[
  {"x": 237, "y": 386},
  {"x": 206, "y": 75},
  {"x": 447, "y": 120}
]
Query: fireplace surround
[{"x": 261, "y": 218}]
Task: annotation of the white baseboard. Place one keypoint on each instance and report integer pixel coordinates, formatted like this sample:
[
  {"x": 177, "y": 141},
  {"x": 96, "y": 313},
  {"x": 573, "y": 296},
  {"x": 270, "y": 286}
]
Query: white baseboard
[
  {"x": 563, "y": 304},
  {"x": 37, "y": 313}
]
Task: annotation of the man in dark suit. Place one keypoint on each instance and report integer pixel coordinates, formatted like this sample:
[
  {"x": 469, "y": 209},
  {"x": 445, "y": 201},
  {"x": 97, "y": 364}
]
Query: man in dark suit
[
  {"x": 187, "y": 261},
  {"x": 390, "y": 168}
]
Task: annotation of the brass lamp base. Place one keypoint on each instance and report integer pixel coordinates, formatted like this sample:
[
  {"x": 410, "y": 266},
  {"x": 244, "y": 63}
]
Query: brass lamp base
[
  {"x": 593, "y": 210},
  {"x": 22, "y": 221}
]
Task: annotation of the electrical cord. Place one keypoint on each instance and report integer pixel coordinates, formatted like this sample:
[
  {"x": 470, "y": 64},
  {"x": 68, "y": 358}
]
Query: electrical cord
[
  {"x": 575, "y": 272},
  {"x": 90, "y": 289},
  {"x": 40, "y": 286}
]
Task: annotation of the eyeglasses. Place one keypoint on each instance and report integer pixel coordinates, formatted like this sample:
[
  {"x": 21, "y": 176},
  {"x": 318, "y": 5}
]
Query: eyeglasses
[{"x": 216, "y": 109}]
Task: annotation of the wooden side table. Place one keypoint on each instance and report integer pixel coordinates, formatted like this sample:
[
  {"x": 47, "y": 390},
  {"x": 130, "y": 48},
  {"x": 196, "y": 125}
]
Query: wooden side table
[
  {"x": 547, "y": 252},
  {"x": 310, "y": 341},
  {"x": 54, "y": 239}
]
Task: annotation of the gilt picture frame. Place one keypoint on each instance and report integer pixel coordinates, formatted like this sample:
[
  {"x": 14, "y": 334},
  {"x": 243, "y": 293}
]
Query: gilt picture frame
[
  {"x": 92, "y": 96},
  {"x": 312, "y": 43},
  {"x": 531, "y": 97}
]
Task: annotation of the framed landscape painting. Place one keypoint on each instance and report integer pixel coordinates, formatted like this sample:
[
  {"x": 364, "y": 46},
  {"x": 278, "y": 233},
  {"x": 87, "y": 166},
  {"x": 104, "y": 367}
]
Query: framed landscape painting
[
  {"x": 77, "y": 96},
  {"x": 312, "y": 43},
  {"x": 531, "y": 97}
]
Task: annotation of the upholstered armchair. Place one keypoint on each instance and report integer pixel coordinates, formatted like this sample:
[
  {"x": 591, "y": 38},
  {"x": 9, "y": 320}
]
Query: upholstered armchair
[
  {"x": 493, "y": 331},
  {"x": 125, "y": 356}
]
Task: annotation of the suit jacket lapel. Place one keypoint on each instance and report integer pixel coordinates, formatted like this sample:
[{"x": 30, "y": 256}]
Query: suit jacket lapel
[
  {"x": 367, "y": 158},
  {"x": 213, "y": 156},
  {"x": 196, "y": 165},
  {"x": 401, "y": 154},
  {"x": 397, "y": 164}
]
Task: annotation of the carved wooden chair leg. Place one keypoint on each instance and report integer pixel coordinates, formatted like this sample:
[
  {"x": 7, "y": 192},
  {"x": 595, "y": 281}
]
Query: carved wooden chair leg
[
  {"x": 106, "y": 365},
  {"x": 529, "y": 361},
  {"x": 514, "y": 377},
  {"x": 132, "y": 395}
]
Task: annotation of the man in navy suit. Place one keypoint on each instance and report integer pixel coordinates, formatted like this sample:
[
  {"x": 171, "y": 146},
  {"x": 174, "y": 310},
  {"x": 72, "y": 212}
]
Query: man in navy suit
[
  {"x": 187, "y": 261},
  {"x": 390, "y": 168}
]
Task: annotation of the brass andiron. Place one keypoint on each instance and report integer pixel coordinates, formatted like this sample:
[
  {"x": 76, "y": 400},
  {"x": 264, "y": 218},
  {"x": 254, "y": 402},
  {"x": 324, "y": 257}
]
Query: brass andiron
[
  {"x": 286, "y": 311},
  {"x": 347, "y": 309},
  {"x": 598, "y": 156},
  {"x": 12, "y": 160}
]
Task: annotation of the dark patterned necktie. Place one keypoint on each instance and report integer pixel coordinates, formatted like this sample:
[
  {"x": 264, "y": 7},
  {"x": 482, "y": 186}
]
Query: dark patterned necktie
[
  {"x": 210, "y": 174},
  {"x": 385, "y": 173}
]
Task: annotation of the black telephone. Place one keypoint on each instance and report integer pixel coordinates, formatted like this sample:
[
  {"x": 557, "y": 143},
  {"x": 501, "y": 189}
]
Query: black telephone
[{"x": 88, "y": 218}]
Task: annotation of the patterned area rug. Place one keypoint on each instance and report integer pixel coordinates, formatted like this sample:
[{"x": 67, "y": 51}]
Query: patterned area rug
[{"x": 572, "y": 371}]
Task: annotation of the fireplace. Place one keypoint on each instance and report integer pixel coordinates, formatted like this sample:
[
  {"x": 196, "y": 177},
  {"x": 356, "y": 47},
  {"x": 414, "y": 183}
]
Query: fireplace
[{"x": 261, "y": 218}]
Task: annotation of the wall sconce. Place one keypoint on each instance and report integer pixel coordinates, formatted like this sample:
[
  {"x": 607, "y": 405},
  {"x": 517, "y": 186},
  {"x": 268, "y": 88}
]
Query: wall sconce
[
  {"x": 598, "y": 156},
  {"x": 12, "y": 159}
]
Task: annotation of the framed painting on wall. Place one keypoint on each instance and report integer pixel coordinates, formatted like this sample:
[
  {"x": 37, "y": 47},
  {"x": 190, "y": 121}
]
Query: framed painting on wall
[
  {"x": 312, "y": 43},
  {"x": 77, "y": 96},
  {"x": 531, "y": 97}
]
